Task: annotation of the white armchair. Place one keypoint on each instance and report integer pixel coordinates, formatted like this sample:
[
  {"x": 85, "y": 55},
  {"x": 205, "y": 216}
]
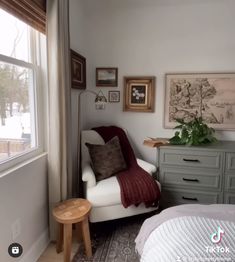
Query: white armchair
[{"x": 105, "y": 195}]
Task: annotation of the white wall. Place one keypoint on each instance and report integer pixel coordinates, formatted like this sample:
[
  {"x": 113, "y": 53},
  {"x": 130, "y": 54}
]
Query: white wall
[
  {"x": 153, "y": 37},
  {"x": 23, "y": 195}
]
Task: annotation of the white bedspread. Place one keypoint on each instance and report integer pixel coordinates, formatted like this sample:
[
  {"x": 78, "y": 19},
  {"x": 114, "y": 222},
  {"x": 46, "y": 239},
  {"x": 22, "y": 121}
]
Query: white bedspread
[
  {"x": 188, "y": 238},
  {"x": 215, "y": 211}
]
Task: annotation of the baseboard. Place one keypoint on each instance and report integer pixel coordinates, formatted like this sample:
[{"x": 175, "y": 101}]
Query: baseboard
[{"x": 37, "y": 248}]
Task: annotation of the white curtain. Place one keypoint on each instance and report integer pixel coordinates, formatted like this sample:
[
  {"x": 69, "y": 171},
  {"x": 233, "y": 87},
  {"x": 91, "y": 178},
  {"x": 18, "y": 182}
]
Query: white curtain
[{"x": 59, "y": 149}]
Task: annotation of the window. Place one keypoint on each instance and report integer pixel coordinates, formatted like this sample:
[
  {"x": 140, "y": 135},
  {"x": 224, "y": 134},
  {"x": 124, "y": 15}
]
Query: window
[{"x": 20, "y": 72}]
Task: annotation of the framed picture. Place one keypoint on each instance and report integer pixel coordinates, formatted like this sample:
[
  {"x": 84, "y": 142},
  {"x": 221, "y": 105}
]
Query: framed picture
[
  {"x": 209, "y": 95},
  {"x": 78, "y": 70},
  {"x": 106, "y": 76},
  {"x": 139, "y": 94},
  {"x": 114, "y": 96}
]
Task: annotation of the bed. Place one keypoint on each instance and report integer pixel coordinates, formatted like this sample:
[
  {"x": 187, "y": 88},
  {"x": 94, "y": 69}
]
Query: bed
[{"x": 189, "y": 233}]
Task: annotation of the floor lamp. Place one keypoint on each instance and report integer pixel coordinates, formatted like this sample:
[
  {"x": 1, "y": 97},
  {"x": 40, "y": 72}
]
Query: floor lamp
[{"x": 99, "y": 101}]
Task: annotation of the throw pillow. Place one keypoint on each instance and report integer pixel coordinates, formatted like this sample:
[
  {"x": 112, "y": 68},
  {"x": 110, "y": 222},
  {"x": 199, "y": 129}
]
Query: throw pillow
[{"x": 107, "y": 159}]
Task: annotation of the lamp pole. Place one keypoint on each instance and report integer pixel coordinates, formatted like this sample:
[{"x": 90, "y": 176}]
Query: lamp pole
[{"x": 99, "y": 98}]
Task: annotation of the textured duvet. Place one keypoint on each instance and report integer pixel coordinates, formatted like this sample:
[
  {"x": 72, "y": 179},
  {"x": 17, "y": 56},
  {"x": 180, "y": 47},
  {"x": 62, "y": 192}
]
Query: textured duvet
[
  {"x": 208, "y": 234},
  {"x": 189, "y": 239}
]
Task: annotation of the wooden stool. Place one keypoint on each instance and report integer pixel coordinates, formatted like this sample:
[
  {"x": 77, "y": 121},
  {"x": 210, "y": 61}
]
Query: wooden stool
[{"x": 72, "y": 211}]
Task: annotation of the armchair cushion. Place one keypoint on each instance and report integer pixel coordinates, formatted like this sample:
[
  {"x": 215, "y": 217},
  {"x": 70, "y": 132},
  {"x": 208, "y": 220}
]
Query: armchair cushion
[
  {"x": 146, "y": 166},
  {"x": 88, "y": 175},
  {"x": 107, "y": 159},
  {"x": 106, "y": 193}
]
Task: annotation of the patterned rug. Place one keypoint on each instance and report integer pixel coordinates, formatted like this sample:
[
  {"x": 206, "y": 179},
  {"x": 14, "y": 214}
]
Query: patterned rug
[{"x": 113, "y": 240}]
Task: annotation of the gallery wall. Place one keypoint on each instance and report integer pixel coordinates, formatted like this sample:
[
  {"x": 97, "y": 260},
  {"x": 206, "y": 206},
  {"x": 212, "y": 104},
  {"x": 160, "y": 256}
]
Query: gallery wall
[{"x": 151, "y": 37}]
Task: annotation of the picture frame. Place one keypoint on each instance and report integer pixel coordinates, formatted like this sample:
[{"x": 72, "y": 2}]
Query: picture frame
[
  {"x": 209, "y": 95},
  {"x": 106, "y": 76},
  {"x": 139, "y": 94},
  {"x": 78, "y": 70},
  {"x": 114, "y": 96}
]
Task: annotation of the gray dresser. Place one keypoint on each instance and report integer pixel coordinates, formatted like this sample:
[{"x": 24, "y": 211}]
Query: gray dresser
[{"x": 197, "y": 174}]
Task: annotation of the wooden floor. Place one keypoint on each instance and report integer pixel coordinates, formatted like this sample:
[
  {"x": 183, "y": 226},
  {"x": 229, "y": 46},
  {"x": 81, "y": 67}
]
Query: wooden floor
[{"x": 50, "y": 254}]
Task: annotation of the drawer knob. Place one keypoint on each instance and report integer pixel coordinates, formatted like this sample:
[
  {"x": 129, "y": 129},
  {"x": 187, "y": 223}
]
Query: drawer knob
[
  {"x": 190, "y": 198},
  {"x": 191, "y": 179},
  {"x": 191, "y": 160}
]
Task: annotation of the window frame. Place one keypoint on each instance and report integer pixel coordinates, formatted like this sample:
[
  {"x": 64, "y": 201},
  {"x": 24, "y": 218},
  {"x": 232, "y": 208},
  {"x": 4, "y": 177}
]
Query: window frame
[{"x": 37, "y": 65}]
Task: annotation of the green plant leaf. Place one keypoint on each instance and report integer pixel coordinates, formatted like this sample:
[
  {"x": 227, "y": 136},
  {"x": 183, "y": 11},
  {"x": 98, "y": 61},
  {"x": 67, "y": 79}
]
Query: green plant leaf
[{"x": 195, "y": 132}]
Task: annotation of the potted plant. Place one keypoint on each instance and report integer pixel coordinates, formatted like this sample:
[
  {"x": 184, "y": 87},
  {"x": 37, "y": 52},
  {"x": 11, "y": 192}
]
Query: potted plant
[{"x": 194, "y": 132}]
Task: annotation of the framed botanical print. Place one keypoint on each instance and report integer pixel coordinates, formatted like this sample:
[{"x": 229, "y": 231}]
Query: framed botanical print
[{"x": 139, "y": 94}]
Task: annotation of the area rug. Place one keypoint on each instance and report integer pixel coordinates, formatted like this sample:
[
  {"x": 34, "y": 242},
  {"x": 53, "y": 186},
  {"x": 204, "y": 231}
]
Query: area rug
[{"x": 113, "y": 241}]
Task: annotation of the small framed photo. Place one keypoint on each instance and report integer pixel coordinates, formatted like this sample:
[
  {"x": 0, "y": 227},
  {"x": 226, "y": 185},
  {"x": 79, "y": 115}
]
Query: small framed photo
[
  {"x": 114, "y": 96},
  {"x": 106, "y": 76},
  {"x": 208, "y": 95},
  {"x": 139, "y": 94},
  {"x": 78, "y": 70}
]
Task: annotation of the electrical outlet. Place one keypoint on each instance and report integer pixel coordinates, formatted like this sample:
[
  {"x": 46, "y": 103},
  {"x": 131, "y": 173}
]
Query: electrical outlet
[{"x": 16, "y": 229}]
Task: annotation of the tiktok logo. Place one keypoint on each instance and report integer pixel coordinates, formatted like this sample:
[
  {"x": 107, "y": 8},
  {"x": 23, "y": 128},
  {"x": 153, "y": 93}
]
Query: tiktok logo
[{"x": 217, "y": 236}]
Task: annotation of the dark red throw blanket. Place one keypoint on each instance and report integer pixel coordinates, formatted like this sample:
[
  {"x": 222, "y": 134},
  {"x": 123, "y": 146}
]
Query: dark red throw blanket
[{"x": 137, "y": 186}]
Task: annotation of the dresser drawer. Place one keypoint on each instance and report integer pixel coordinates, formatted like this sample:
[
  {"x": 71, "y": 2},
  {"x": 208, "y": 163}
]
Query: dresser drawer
[
  {"x": 230, "y": 182},
  {"x": 174, "y": 197},
  {"x": 230, "y": 162},
  {"x": 188, "y": 179},
  {"x": 191, "y": 158},
  {"x": 229, "y": 198}
]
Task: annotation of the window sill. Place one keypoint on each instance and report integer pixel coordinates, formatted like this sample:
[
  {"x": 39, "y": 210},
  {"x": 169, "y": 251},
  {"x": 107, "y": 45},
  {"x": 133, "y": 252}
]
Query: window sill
[{"x": 22, "y": 164}]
